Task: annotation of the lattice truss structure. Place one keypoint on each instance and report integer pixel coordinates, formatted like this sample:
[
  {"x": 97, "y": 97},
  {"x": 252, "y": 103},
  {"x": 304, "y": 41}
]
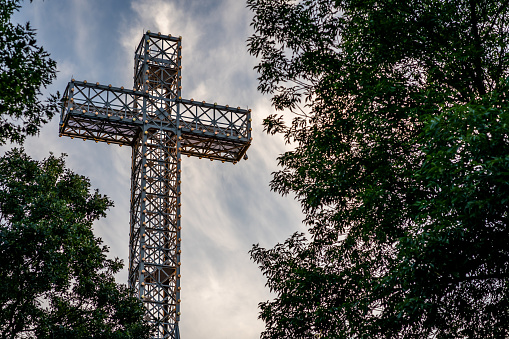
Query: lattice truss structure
[{"x": 160, "y": 126}]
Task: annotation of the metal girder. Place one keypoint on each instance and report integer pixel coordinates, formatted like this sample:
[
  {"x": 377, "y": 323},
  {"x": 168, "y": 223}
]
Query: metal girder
[
  {"x": 154, "y": 257},
  {"x": 101, "y": 113},
  {"x": 160, "y": 126},
  {"x": 116, "y": 115}
]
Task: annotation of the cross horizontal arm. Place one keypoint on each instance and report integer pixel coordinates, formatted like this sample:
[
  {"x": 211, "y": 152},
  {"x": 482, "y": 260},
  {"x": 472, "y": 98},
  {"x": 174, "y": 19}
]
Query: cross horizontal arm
[
  {"x": 116, "y": 115},
  {"x": 214, "y": 131},
  {"x": 101, "y": 113}
]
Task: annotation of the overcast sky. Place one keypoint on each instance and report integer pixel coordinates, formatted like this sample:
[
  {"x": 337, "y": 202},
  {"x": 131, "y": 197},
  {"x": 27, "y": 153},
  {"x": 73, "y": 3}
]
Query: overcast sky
[{"x": 226, "y": 208}]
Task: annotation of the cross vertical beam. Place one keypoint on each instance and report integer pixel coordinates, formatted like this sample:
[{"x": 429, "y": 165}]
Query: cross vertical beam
[
  {"x": 160, "y": 126},
  {"x": 154, "y": 265},
  {"x": 154, "y": 258}
]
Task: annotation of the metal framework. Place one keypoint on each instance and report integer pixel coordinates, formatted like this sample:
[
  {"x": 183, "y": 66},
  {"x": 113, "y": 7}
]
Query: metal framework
[{"x": 160, "y": 126}]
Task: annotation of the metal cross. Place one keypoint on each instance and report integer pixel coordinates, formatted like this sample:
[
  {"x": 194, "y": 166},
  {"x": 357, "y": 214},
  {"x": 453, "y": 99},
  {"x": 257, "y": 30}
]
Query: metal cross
[{"x": 160, "y": 126}]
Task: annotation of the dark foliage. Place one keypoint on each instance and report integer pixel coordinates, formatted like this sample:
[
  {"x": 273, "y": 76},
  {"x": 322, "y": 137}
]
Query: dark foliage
[
  {"x": 401, "y": 135},
  {"x": 25, "y": 69},
  {"x": 56, "y": 279}
]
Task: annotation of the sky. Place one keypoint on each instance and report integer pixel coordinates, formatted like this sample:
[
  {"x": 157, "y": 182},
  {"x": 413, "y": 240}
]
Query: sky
[{"x": 226, "y": 208}]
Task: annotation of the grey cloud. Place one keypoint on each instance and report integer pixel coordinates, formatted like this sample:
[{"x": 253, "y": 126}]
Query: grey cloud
[{"x": 225, "y": 208}]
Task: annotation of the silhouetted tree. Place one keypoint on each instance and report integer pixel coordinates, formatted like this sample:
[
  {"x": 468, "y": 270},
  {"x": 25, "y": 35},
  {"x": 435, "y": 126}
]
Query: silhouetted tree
[
  {"x": 56, "y": 281},
  {"x": 25, "y": 69},
  {"x": 401, "y": 136}
]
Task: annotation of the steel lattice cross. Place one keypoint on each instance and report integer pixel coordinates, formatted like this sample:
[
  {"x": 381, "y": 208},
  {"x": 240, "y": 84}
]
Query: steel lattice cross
[{"x": 160, "y": 126}]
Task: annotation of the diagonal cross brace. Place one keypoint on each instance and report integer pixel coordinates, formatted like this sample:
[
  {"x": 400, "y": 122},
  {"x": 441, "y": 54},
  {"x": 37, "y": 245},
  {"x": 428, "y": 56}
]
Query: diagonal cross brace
[{"x": 160, "y": 126}]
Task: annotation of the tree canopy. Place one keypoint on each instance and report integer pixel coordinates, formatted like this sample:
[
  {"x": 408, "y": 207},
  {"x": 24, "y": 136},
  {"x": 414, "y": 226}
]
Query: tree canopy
[
  {"x": 56, "y": 279},
  {"x": 400, "y": 135},
  {"x": 25, "y": 69}
]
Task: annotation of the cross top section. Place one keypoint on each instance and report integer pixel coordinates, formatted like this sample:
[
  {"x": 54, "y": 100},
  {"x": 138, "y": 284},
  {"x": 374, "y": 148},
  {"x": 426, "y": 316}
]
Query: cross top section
[{"x": 116, "y": 115}]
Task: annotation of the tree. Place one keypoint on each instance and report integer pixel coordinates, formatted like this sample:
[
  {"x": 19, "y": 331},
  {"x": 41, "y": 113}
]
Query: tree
[
  {"x": 401, "y": 136},
  {"x": 56, "y": 279},
  {"x": 25, "y": 69}
]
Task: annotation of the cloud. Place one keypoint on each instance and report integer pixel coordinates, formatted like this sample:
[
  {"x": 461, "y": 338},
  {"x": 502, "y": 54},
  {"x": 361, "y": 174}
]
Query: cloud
[{"x": 226, "y": 208}]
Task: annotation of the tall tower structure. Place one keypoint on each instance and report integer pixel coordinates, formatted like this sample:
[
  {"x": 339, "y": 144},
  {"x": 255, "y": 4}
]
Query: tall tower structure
[{"x": 160, "y": 127}]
